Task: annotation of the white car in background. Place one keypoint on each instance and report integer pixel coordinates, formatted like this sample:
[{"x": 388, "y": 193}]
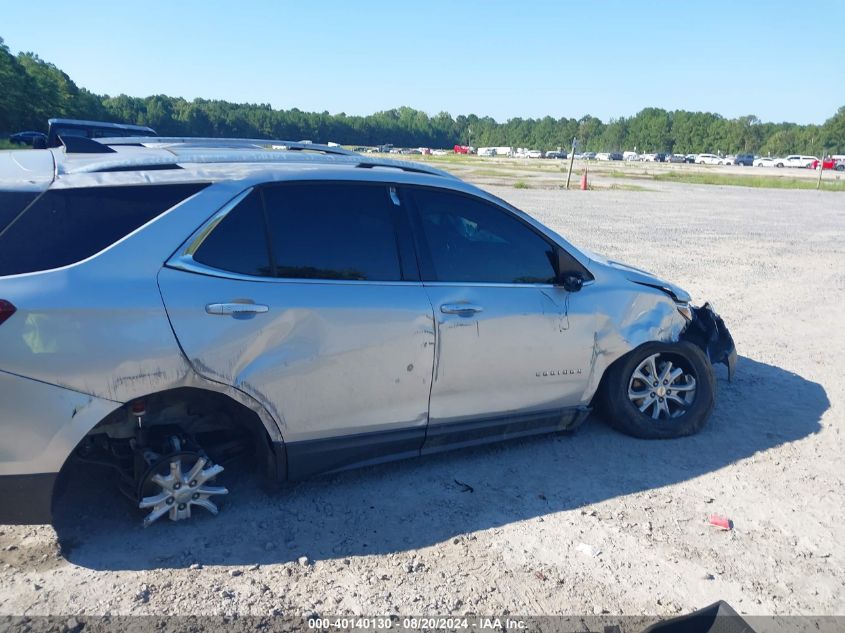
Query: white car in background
[
  {"x": 603, "y": 156},
  {"x": 534, "y": 153},
  {"x": 795, "y": 160},
  {"x": 730, "y": 160},
  {"x": 709, "y": 159},
  {"x": 764, "y": 161}
]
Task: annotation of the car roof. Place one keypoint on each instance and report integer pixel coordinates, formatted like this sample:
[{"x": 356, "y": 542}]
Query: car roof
[{"x": 104, "y": 162}]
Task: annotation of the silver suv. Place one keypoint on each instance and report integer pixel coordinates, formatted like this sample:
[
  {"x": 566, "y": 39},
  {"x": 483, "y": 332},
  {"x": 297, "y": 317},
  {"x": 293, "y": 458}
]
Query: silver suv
[{"x": 168, "y": 305}]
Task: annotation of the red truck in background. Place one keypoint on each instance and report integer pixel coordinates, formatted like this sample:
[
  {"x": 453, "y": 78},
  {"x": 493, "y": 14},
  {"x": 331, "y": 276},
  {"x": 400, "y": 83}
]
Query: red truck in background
[
  {"x": 829, "y": 163},
  {"x": 461, "y": 149}
]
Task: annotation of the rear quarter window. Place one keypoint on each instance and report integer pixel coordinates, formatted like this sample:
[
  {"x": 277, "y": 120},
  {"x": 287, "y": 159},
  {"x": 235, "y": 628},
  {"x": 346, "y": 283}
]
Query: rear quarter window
[
  {"x": 12, "y": 203},
  {"x": 65, "y": 226}
]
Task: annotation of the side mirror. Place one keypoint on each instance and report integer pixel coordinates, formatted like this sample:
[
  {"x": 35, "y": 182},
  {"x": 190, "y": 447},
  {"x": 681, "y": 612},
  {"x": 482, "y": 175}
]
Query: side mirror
[
  {"x": 569, "y": 279},
  {"x": 572, "y": 282}
]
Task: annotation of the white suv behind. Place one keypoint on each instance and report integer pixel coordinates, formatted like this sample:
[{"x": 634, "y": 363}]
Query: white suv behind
[
  {"x": 795, "y": 160},
  {"x": 708, "y": 159}
]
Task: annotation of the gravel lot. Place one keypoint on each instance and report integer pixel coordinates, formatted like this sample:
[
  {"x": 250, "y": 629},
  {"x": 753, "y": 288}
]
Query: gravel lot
[{"x": 558, "y": 524}]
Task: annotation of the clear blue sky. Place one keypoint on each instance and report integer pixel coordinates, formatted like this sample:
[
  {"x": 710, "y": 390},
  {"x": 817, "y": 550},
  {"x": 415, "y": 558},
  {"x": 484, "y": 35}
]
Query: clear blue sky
[{"x": 782, "y": 60}]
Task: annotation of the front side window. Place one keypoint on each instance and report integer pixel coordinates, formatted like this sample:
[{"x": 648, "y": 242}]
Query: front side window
[
  {"x": 470, "y": 240},
  {"x": 342, "y": 231}
]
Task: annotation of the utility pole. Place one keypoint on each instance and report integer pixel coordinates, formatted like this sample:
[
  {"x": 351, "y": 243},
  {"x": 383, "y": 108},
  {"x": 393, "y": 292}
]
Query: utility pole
[
  {"x": 571, "y": 160},
  {"x": 821, "y": 170}
]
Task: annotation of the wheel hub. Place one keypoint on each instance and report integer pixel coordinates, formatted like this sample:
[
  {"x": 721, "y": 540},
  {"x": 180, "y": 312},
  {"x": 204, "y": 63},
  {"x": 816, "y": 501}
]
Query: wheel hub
[
  {"x": 177, "y": 483},
  {"x": 660, "y": 389}
]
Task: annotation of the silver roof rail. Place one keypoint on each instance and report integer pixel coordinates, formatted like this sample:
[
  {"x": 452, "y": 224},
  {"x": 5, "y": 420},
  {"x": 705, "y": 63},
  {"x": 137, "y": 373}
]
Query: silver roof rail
[
  {"x": 167, "y": 142},
  {"x": 179, "y": 155}
]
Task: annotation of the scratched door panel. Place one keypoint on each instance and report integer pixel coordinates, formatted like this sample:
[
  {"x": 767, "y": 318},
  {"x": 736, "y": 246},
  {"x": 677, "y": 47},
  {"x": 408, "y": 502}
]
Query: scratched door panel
[
  {"x": 327, "y": 359},
  {"x": 528, "y": 349}
]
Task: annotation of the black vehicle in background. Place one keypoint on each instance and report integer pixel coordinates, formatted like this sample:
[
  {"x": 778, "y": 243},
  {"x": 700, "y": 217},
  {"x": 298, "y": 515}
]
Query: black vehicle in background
[
  {"x": 616, "y": 156},
  {"x": 89, "y": 129},
  {"x": 27, "y": 138},
  {"x": 744, "y": 159}
]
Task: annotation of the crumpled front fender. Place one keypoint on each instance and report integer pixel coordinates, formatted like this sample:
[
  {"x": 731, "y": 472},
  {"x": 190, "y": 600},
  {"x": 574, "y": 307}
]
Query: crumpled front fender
[{"x": 708, "y": 331}]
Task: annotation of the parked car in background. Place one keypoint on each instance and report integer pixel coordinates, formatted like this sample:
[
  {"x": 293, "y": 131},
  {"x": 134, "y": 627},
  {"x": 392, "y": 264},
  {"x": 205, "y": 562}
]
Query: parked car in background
[
  {"x": 615, "y": 156},
  {"x": 689, "y": 158},
  {"x": 259, "y": 304},
  {"x": 709, "y": 159},
  {"x": 589, "y": 156},
  {"x": 648, "y": 158},
  {"x": 630, "y": 156},
  {"x": 28, "y": 138},
  {"x": 91, "y": 129},
  {"x": 746, "y": 160},
  {"x": 534, "y": 153},
  {"x": 795, "y": 160},
  {"x": 675, "y": 158},
  {"x": 829, "y": 163},
  {"x": 556, "y": 154},
  {"x": 602, "y": 156},
  {"x": 730, "y": 159},
  {"x": 764, "y": 161},
  {"x": 487, "y": 151}
]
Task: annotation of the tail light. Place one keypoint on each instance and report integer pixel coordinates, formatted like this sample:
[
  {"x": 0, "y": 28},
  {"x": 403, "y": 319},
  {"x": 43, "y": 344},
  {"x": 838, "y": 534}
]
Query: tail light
[{"x": 6, "y": 310}]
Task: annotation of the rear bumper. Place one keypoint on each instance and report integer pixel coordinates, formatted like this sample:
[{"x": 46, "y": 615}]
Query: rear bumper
[
  {"x": 27, "y": 498},
  {"x": 40, "y": 426}
]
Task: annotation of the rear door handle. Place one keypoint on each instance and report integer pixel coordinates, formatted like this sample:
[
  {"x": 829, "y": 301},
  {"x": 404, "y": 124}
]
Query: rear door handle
[
  {"x": 232, "y": 309},
  {"x": 464, "y": 309}
]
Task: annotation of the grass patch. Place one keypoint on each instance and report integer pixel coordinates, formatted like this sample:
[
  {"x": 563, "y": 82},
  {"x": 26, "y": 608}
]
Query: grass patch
[
  {"x": 768, "y": 182},
  {"x": 621, "y": 187},
  {"x": 519, "y": 184}
]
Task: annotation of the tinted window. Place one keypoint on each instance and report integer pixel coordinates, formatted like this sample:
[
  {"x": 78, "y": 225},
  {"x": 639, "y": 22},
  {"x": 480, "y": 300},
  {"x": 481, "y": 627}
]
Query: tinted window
[
  {"x": 239, "y": 242},
  {"x": 472, "y": 241},
  {"x": 332, "y": 231},
  {"x": 65, "y": 226},
  {"x": 12, "y": 203}
]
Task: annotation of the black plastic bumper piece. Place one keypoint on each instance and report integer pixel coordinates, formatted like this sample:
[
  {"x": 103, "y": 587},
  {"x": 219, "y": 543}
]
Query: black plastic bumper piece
[
  {"x": 708, "y": 331},
  {"x": 27, "y": 499}
]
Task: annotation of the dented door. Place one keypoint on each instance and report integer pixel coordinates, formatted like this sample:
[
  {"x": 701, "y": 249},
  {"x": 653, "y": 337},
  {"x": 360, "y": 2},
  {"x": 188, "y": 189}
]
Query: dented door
[
  {"x": 326, "y": 359},
  {"x": 516, "y": 351}
]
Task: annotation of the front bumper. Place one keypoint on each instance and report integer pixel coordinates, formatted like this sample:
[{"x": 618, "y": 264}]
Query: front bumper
[{"x": 708, "y": 331}]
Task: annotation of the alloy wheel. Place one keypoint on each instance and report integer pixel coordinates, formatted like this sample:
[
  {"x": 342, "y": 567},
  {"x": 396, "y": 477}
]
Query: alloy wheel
[{"x": 661, "y": 388}]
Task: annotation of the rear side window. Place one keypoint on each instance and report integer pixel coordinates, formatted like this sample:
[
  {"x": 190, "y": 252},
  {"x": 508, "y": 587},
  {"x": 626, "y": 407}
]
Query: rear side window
[
  {"x": 65, "y": 226},
  {"x": 332, "y": 231},
  {"x": 12, "y": 203}
]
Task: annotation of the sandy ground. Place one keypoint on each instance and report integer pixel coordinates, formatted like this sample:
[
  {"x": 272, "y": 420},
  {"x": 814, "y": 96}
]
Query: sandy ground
[{"x": 585, "y": 523}]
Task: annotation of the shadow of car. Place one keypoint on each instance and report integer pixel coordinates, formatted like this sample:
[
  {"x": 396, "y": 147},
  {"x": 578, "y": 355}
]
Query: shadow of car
[{"x": 457, "y": 493}]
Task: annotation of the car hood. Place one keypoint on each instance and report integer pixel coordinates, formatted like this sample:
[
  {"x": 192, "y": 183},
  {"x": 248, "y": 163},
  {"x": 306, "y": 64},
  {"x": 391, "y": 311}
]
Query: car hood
[{"x": 642, "y": 277}]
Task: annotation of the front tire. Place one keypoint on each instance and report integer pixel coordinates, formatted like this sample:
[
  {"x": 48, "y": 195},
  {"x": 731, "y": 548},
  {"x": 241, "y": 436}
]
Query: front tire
[{"x": 660, "y": 391}]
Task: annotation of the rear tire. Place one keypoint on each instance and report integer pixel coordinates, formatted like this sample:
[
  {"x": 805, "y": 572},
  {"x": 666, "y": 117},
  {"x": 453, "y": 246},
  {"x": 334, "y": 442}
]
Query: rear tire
[{"x": 682, "y": 402}]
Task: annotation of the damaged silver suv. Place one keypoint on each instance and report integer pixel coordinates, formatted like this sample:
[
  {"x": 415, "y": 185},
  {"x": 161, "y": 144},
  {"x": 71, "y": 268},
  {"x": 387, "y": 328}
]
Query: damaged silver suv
[{"x": 167, "y": 305}]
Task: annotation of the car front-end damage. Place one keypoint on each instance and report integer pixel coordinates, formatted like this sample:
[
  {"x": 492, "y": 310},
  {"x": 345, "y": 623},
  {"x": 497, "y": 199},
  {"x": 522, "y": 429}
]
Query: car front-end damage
[{"x": 707, "y": 330}]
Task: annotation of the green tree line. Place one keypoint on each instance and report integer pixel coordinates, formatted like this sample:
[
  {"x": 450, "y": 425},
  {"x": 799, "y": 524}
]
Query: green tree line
[{"x": 32, "y": 90}]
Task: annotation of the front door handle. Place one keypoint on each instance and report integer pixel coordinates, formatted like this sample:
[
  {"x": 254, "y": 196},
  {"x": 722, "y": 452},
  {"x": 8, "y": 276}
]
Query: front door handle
[
  {"x": 234, "y": 309},
  {"x": 464, "y": 309}
]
